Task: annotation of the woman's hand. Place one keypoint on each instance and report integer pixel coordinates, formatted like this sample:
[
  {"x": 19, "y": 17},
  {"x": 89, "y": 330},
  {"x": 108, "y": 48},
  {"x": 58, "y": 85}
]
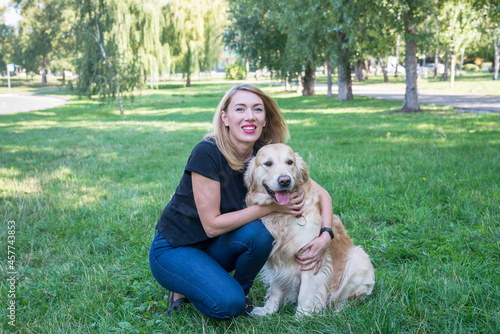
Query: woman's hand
[
  {"x": 294, "y": 207},
  {"x": 311, "y": 255}
]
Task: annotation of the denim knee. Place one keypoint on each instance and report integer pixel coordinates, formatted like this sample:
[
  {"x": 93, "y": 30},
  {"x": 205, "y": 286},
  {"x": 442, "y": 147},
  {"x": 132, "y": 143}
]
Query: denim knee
[
  {"x": 231, "y": 307},
  {"x": 262, "y": 239}
]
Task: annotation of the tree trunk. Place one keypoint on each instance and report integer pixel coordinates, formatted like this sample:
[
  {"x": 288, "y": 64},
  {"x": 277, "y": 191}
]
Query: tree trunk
[
  {"x": 44, "y": 70},
  {"x": 288, "y": 83},
  {"x": 497, "y": 55},
  {"x": 411, "y": 96},
  {"x": 436, "y": 55},
  {"x": 444, "y": 77},
  {"x": 397, "y": 58},
  {"x": 299, "y": 83},
  {"x": 384, "y": 69},
  {"x": 462, "y": 61},
  {"x": 358, "y": 70},
  {"x": 188, "y": 66},
  {"x": 344, "y": 76},
  {"x": 119, "y": 98},
  {"x": 309, "y": 80},
  {"x": 452, "y": 74},
  {"x": 328, "y": 77}
]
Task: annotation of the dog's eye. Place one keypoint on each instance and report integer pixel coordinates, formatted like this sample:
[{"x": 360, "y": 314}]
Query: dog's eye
[
  {"x": 268, "y": 163},
  {"x": 290, "y": 162}
]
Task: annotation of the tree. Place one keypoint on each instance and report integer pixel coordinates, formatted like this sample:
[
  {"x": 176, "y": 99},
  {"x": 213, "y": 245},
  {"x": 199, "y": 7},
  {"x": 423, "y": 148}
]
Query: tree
[
  {"x": 414, "y": 13},
  {"x": 119, "y": 46},
  {"x": 196, "y": 30},
  {"x": 6, "y": 45},
  {"x": 459, "y": 27},
  {"x": 257, "y": 37},
  {"x": 42, "y": 24}
]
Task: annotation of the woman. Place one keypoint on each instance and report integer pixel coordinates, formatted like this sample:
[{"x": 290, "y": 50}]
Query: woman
[{"x": 205, "y": 231}]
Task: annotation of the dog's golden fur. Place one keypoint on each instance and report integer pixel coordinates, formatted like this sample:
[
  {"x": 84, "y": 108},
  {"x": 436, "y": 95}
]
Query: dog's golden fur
[{"x": 346, "y": 271}]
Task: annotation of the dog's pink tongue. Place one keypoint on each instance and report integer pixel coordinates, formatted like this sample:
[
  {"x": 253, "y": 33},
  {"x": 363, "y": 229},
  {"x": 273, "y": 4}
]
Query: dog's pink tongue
[{"x": 283, "y": 197}]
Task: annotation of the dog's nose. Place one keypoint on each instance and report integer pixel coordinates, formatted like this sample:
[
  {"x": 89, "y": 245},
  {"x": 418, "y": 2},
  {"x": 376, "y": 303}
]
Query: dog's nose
[{"x": 284, "y": 180}]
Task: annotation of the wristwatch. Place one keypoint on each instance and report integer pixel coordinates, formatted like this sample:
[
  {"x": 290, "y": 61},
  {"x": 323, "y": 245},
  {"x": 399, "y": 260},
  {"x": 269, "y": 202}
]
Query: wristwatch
[{"x": 327, "y": 229}]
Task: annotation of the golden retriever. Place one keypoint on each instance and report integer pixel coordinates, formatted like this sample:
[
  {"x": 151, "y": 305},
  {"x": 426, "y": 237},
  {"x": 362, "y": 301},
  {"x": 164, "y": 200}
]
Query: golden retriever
[{"x": 346, "y": 271}]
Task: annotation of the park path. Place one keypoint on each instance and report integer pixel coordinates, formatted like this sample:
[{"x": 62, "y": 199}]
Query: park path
[
  {"x": 467, "y": 103},
  {"x": 14, "y": 103}
]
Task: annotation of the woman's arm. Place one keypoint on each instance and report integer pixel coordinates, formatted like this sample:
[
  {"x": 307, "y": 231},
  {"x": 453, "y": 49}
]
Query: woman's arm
[
  {"x": 207, "y": 198},
  {"x": 311, "y": 254}
]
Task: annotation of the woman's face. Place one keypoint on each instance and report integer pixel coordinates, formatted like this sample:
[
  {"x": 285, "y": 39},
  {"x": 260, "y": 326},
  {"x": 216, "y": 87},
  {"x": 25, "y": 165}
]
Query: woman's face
[{"x": 245, "y": 116}]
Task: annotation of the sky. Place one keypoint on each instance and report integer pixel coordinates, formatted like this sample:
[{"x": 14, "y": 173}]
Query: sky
[{"x": 11, "y": 17}]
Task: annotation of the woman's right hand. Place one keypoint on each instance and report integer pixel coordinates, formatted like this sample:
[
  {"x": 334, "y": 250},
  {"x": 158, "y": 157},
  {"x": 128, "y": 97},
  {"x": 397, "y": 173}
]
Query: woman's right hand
[{"x": 294, "y": 207}]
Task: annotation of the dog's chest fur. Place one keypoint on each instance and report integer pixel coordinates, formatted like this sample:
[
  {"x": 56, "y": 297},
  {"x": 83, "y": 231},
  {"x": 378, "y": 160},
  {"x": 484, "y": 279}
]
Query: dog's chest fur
[{"x": 290, "y": 235}]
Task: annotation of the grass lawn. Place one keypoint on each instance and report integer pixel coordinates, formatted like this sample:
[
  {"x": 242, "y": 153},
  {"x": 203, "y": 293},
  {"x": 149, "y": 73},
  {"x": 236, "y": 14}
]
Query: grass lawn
[{"x": 84, "y": 187}]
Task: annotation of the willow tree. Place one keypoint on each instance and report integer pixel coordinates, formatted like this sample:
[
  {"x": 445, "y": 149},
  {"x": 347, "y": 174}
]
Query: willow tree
[
  {"x": 194, "y": 32},
  {"x": 119, "y": 47}
]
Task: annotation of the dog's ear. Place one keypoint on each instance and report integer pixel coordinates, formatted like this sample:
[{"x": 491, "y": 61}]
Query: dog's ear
[
  {"x": 303, "y": 171},
  {"x": 249, "y": 179}
]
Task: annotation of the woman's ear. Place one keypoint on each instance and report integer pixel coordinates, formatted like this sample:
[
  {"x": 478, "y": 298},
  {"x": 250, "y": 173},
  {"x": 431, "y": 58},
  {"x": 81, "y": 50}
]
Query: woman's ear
[
  {"x": 223, "y": 116},
  {"x": 302, "y": 170}
]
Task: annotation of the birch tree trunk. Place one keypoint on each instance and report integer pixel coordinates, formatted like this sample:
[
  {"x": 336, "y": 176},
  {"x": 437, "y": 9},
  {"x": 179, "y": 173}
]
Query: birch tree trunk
[
  {"x": 397, "y": 58},
  {"x": 299, "y": 83},
  {"x": 384, "y": 69},
  {"x": 99, "y": 41},
  {"x": 497, "y": 54}
]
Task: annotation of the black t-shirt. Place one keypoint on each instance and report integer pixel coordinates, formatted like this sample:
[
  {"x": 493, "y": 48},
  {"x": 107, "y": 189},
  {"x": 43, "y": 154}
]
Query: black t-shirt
[{"x": 179, "y": 222}]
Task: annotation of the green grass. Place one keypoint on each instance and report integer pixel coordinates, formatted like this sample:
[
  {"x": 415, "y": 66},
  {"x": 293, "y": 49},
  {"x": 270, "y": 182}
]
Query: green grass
[{"x": 85, "y": 187}]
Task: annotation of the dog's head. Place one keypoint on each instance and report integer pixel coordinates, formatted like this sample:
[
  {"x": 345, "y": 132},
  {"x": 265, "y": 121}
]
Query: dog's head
[{"x": 276, "y": 171}]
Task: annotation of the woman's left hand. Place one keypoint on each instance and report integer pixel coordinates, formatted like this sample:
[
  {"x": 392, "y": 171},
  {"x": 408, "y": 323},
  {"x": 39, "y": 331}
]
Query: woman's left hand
[{"x": 311, "y": 255}]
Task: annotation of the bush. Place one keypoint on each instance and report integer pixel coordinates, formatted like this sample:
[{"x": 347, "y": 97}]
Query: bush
[
  {"x": 471, "y": 68},
  {"x": 236, "y": 71}
]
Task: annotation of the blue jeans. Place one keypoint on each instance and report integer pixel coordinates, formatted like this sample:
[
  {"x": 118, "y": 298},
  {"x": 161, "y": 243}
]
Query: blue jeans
[{"x": 201, "y": 272}]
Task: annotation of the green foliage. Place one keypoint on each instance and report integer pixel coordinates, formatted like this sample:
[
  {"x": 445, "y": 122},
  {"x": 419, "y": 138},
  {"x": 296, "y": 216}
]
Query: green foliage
[
  {"x": 236, "y": 71},
  {"x": 194, "y": 32},
  {"x": 256, "y": 36},
  {"x": 85, "y": 186},
  {"x": 471, "y": 68}
]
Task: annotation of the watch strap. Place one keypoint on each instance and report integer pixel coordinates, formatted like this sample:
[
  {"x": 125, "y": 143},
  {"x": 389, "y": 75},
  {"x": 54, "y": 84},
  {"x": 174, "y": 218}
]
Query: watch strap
[{"x": 327, "y": 229}]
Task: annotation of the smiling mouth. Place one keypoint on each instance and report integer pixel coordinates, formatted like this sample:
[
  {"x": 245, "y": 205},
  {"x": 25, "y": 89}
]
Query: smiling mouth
[
  {"x": 250, "y": 128},
  {"x": 282, "y": 197}
]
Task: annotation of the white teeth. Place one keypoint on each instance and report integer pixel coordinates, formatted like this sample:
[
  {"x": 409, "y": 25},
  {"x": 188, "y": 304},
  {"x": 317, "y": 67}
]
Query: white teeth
[{"x": 248, "y": 128}]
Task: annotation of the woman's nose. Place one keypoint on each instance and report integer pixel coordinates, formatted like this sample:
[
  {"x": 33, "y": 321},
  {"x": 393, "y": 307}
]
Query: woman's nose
[{"x": 249, "y": 114}]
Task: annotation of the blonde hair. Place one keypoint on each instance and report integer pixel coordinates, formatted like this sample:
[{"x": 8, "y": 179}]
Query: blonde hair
[{"x": 275, "y": 131}]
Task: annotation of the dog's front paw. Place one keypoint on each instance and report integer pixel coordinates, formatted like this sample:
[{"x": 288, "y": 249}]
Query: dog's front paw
[{"x": 260, "y": 311}]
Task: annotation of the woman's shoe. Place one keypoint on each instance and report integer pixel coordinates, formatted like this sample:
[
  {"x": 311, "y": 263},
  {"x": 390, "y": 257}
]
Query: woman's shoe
[
  {"x": 248, "y": 307},
  {"x": 174, "y": 306}
]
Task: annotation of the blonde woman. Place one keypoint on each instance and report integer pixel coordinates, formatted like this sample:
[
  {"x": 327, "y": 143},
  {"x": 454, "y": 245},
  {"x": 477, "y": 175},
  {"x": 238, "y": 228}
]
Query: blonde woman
[{"x": 206, "y": 231}]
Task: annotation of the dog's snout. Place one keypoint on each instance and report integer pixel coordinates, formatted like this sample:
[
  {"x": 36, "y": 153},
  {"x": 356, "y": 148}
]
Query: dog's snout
[{"x": 284, "y": 180}]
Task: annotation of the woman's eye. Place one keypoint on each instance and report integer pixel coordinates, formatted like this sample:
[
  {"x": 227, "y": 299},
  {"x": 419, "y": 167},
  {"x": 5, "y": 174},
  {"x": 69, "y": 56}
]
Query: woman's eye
[
  {"x": 240, "y": 109},
  {"x": 268, "y": 163},
  {"x": 258, "y": 110},
  {"x": 290, "y": 162}
]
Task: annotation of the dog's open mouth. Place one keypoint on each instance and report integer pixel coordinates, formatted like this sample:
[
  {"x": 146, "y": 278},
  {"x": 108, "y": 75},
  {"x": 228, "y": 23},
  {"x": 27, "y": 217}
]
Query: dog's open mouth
[{"x": 282, "y": 196}]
